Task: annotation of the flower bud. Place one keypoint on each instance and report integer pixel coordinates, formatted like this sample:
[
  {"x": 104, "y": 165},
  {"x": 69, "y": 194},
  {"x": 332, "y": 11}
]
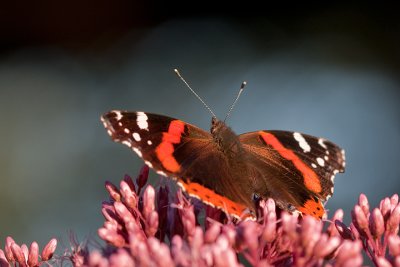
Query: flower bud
[
  {"x": 349, "y": 254},
  {"x": 382, "y": 262},
  {"x": 111, "y": 237},
  {"x": 394, "y": 200},
  {"x": 363, "y": 203},
  {"x": 212, "y": 233},
  {"x": 25, "y": 250},
  {"x": 360, "y": 219},
  {"x": 152, "y": 224},
  {"x": 393, "y": 222},
  {"x": 128, "y": 180},
  {"x": 338, "y": 216},
  {"x": 269, "y": 229},
  {"x": 49, "y": 249},
  {"x": 325, "y": 246},
  {"x": 129, "y": 196},
  {"x": 121, "y": 258},
  {"x": 376, "y": 223},
  {"x": 148, "y": 201},
  {"x": 113, "y": 191},
  {"x": 96, "y": 259},
  {"x": 18, "y": 254},
  {"x": 123, "y": 212},
  {"x": 33, "y": 257},
  {"x": 394, "y": 245},
  {"x": 385, "y": 206},
  {"x": 269, "y": 206},
  {"x": 7, "y": 249}
]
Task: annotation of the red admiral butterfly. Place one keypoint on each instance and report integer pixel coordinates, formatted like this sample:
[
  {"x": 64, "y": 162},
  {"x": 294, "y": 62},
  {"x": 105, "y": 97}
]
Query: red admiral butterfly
[{"x": 226, "y": 170}]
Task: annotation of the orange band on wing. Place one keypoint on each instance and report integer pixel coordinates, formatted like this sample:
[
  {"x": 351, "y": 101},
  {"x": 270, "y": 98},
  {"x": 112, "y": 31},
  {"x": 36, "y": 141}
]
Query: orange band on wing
[
  {"x": 209, "y": 197},
  {"x": 165, "y": 149},
  {"x": 311, "y": 180},
  {"x": 313, "y": 208}
]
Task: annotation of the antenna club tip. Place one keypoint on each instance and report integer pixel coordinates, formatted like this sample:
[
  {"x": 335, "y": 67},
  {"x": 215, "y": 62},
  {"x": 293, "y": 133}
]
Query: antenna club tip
[{"x": 176, "y": 71}]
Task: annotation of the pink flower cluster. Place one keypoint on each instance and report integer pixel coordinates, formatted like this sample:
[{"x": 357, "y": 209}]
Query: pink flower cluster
[
  {"x": 376, "y": 231},
  {"x": 148, "y": 227},
  {"x": 23, "y": 256}
]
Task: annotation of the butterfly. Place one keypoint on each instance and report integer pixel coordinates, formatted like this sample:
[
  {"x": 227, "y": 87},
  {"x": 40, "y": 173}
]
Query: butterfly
[{"x": 228, "y": 171}]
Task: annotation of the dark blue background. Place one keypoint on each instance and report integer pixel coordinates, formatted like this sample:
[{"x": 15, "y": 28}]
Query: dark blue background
[{"x": 326, "y": 71}]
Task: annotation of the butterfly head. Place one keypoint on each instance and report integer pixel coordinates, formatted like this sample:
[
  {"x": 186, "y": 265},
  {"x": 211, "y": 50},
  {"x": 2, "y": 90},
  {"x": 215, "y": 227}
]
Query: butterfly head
[
  {"x": 216, "y": 125},
  {"x": 223, "y": 136}
]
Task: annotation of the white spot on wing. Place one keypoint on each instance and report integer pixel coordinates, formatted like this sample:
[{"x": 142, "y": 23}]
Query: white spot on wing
[
  {"x": 326, "y": 158},
  {"x": 313, "y": 165},
  {"x": 321, "y": 162},
  {"x": 181, "y": 186},
  {"x": 148, "y": 163},
  {"x": 137, "y": 151},
  {"x": 161, "y": 173},
  {"x": 321, "y": 143},
  {"x": 127, "y": 143},
  {"x": 149, "y": 142},
  {"x": 302, "y": 142},
  {"x": 118, "y": 113},
  {"x": 335, "y": 171},
  {"x": 333, "y": 178},
  {"x": 141, "y": 121},
  {"x": 126, "y": 130},
  {"x": 343, "y": 154},
  {"x": 109, "y": 132},
  {"x": 120, "y": 124},
  {"x": 136, "y": 136}
]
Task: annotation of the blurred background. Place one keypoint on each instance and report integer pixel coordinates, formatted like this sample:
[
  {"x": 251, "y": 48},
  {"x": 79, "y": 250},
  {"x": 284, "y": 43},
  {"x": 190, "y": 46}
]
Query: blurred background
[{"x": 330, "y": 71}]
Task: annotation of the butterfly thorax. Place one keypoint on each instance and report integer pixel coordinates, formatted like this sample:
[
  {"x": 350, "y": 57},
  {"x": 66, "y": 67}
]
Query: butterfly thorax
[{"x": 226, "y": 139}]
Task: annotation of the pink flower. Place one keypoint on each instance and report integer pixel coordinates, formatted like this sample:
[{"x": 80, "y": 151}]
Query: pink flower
[{"x": 13, "y": 253}]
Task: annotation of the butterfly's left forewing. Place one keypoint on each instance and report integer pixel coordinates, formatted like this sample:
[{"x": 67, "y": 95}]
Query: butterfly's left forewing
[{"x": 297, "y": 170}]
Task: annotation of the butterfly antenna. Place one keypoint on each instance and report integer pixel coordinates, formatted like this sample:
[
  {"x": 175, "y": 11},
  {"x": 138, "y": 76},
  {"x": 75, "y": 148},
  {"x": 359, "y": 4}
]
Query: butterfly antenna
[
  {"x": 198, "y": 97},
  {"x": 236, "y": 99}
]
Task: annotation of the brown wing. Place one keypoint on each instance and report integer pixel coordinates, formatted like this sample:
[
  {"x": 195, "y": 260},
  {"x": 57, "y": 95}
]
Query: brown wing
[
  {"x": 297, "y": 170},
  {"x": 182, "y": 151}
]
